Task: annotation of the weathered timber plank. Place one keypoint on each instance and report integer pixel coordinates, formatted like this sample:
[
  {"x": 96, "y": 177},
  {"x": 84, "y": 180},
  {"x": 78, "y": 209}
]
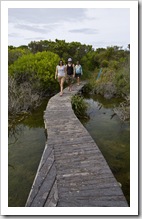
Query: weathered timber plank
[
  {"x": 71, "y": 202},
  {"x": 70, "y": 167},
  {"x": 70, "y": 139},
  {"x": 75, "y": 150},
  {"x": 52, "y": 200},
  {"x": 77, "y": 153},
  {"x": 87, "y": 187},
  {"x": 46, "y": 168},
  {"x": 91, "y": 193},
  {"x": 71, "y": 176},
  {"x": 71, "y": 172},
  {"x": 81, "y": 158},
  {"x": 44, "y": 190},
  {"x": 72, "y": 145},
  {"x": 100, "y": 178},
  {"x": 96, "y": 182}
]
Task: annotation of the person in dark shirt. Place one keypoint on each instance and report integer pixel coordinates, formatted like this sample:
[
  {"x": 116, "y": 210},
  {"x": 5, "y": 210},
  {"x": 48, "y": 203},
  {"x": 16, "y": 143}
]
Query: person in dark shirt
[{"x": 70, "y": 73}]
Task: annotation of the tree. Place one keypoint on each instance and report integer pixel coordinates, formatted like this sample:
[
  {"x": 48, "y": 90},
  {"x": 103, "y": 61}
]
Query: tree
[
  {"x": 129, "y": 46},
  {"x": 75, "y": 50},
  {"x": 14, "y": 53}
]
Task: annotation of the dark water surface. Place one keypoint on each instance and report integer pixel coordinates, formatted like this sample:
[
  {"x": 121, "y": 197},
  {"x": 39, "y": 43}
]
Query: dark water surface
[
  {"x": 112, "y": 137},
  {"x": 26, "y": 145},
  {"x": 27, "y": 142}
]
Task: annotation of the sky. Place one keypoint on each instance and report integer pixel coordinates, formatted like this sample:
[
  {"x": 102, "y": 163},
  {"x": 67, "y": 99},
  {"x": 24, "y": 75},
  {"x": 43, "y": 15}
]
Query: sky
[{"x": 99, "y": 27}]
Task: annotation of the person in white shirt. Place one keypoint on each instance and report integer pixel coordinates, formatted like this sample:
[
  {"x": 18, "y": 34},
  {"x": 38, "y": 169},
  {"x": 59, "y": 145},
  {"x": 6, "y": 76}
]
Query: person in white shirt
[{"x": 61, "y": 74}]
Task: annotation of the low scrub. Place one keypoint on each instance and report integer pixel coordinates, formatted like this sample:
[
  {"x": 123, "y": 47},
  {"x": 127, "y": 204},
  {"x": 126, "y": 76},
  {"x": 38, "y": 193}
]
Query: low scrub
[
  {"x": 79, "y": 106},
  {"x": 21, "y": 98},
  {"x": 123, "y": 110}
]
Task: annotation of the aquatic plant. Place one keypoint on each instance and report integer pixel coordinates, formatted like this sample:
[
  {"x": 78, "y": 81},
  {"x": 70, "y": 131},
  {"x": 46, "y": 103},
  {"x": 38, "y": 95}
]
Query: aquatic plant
[{"x": 79, "y": 106}]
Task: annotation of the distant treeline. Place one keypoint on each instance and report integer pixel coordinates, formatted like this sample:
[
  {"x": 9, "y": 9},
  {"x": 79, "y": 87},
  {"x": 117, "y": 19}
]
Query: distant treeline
[{"x": 32, "y": 70}]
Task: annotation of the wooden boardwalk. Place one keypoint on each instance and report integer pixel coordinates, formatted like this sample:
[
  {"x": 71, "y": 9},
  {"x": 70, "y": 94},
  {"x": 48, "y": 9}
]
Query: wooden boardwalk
[{"x": 72, "y": 171}]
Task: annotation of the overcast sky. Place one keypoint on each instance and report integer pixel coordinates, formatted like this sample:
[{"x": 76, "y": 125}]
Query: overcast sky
[{"x": 97, "y": 27}]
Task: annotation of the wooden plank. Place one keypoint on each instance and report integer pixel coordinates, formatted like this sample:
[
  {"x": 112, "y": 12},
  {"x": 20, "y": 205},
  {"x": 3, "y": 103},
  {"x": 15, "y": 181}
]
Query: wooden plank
[
  {"x": 43, "y": 192},
  {"x": 109, "y": 202},
  {"x": 46, "y": 168},
  {"x": 52, "y": 200}
]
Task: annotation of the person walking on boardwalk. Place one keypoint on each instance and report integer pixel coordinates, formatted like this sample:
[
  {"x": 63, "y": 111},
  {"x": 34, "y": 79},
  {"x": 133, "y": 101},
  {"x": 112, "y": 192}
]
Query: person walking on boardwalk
[
  {"x": 70, "y": 73},
  {"x": 61, "y": 74},
  {"x": 78, "y": 72}
]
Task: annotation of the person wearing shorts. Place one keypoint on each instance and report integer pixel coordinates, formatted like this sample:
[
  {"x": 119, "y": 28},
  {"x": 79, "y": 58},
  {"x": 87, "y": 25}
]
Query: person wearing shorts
[
  {"x": 70, "y": 73},
  {"x": 78, "y": 72},
  {"x": 61, "y": 74}
]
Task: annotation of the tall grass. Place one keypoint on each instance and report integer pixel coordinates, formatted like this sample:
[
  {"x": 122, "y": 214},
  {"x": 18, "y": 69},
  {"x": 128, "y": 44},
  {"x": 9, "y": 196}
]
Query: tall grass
[{"x": 79, "y": 106}]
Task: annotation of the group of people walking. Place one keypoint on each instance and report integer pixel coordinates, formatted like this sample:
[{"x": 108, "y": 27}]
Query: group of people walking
[{"x": 68, "y": 72}]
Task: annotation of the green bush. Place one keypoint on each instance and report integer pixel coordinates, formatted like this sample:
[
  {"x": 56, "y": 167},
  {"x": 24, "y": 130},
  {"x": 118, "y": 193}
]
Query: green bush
[
  {"x": 38, "y": 69},
  {"x": 87, "y": 88},
  {"x": 15, "y": 53},
  {"x": 104, "y": 63},
  {"x": 114, "y": 64},
  {"x": 113, "y": 81},
  {"x": 79, "y": 106},
  {"x": 122, "y": 82}
]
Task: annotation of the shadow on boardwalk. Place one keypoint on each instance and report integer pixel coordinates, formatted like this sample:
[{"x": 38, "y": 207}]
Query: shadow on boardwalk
[{"x": 72, "y": 171}]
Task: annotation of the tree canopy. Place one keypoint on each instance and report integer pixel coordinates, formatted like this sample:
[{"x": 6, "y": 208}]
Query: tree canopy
[{"x": 35, "y": 65}]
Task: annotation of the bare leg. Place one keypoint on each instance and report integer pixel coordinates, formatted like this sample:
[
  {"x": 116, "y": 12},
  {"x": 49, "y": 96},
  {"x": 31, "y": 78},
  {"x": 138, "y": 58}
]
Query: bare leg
[
  {"x": 61, "y": 86},
  {"x": 59, "y": 80},
  {"x": 70, "y": 87},
  {"x": 78, "y": 80},
  {"x": 60, "y": 83},
  {"x": 70, "y": 84}
]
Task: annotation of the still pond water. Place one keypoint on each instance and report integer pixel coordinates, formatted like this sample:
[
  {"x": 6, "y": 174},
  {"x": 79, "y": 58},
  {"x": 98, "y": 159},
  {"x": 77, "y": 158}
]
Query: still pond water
[
  {"x": 112, "y": 137},
  {"x": 27, "y": 142},
  {"x": 26, "y": 145}
]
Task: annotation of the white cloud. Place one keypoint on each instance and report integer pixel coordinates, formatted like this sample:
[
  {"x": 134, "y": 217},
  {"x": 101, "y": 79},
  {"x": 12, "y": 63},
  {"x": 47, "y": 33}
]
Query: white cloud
[
  {"x": 86, "y": 25},
  {"x": 84, "y": 31}
]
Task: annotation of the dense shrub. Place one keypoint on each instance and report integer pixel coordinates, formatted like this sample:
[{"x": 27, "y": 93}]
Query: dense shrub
[
  {"x": 123, "y": 110},
  {"x": 15, "y": 53},
  {"x": 114, "y": 80},
  {"x": 122, "y": 81},
  {"x": 37, "y": 69},
  {"x": 79, "y": 106},
  {"x": 104, "y": 63}
]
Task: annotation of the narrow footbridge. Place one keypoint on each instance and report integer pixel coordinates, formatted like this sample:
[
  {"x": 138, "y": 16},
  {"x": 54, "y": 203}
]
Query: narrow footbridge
[{"x": 72, "y": 171}]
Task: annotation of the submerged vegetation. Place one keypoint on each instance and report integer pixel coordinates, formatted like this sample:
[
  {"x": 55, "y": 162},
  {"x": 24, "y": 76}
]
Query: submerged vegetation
[{"x": 32, "y": 68}]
